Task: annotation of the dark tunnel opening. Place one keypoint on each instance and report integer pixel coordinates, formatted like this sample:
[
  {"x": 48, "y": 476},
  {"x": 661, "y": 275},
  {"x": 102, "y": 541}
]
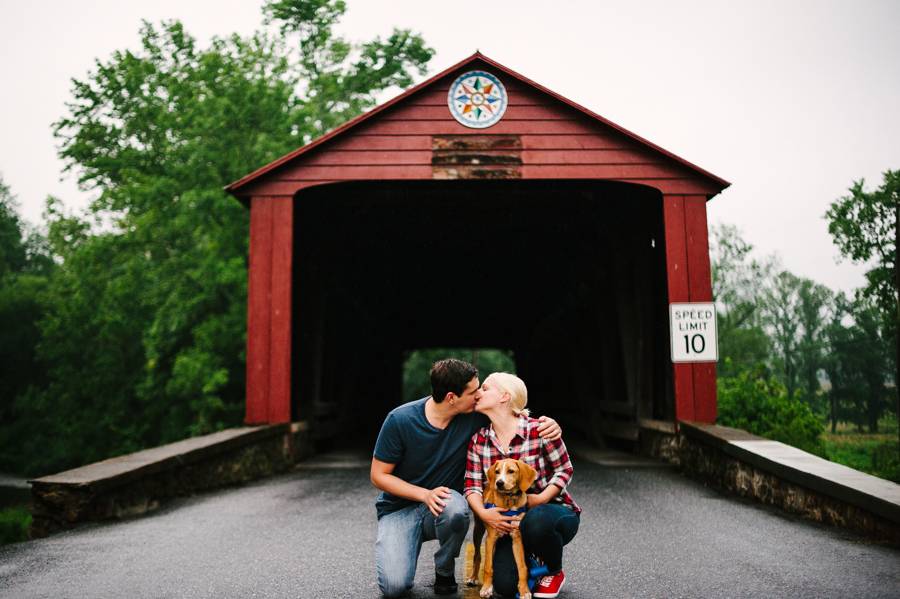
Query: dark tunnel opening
[{"x": 569, "y": 275}]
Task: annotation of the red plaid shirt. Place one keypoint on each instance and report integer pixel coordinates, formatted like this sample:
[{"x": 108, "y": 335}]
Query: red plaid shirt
[{"x": 549, "y": 458}]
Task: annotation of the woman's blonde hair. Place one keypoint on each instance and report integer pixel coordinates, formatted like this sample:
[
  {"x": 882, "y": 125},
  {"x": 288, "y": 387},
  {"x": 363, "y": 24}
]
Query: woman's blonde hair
[{"x": 518, "y": 393}]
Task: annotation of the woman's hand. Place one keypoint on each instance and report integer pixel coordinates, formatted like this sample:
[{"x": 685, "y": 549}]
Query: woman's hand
[
  {"x": 549, "y": 429},
  {"x": 536, "y": 499},
  {"x": 495, "y": 519}
]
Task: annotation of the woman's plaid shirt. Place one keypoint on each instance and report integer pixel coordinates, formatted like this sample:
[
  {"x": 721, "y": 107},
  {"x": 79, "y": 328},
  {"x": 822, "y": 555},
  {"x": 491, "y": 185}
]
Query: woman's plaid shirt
[{"x": 549, "y": 458}]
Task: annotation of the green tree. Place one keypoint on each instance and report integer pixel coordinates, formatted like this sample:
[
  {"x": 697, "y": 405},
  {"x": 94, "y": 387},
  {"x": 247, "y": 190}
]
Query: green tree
[
  {"x": 24, "y": 267},
  {"x": 737, "y": 284},
  {"x": 12, "y": 249},
  {"x": 856, "y": 364},
  {"x": 865, "y": 226},
  {"x": 794, "y": 311},
  {"x": 145, "y": 325},
  {"x": 759, "y": 403}
]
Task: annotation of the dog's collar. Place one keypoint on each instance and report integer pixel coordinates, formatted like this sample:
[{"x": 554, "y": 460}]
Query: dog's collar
[{"x": 517, "y": 512}]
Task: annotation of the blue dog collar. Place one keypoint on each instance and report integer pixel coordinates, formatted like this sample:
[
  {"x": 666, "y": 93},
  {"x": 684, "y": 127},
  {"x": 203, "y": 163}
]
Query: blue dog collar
[{"x": 517, "y": 512}]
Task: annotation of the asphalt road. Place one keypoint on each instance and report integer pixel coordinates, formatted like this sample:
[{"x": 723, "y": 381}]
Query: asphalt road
[{"x": 311, "y": 533}]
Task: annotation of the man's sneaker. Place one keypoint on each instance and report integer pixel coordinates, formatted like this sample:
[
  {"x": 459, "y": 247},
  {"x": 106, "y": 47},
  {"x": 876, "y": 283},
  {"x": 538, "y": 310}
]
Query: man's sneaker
[
  {"x": 444, "y": 585},
  {"x": 549, "y": 586}
]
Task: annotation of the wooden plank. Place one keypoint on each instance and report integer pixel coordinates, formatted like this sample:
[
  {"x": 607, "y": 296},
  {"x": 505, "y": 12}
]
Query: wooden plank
[
  {"x": 676, "y": 248},
  {"x": 697, "y": 238},
  {"x": 596, "y": 141},
  {"x": 678, "y": 186},
  {"x": 536, "y": 157},
  {"x": 380, "y": 142},
  {"x": 576, "y": 157},
  {"x": 401, "y": 171},
  {"x": 353, "y": 173},
  {"x": 700, "y": 290},
  {"x": 440, "y": 113},
  {"x": 597, "y": 171},
  {"x": 258, "y": 305},
  {"x": 504, "y": 127},
  {"x": 366, "y": 158},
  {"x": 677, "y": 280},
  {"x": 279, "y": 408},
  {"x": 279, "y": 188},
  {"x": 518, "y": 97},
  {"x": 706, "y": 402},
  {"x": 684, "y": 391}
]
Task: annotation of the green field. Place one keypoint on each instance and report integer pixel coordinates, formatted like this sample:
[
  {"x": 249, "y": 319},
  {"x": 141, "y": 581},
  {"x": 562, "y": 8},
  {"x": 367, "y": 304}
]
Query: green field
[{"x": 875, "y": 454}]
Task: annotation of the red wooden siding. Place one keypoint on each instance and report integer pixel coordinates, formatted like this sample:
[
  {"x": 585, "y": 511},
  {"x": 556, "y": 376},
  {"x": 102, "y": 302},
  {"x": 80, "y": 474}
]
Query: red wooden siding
[
  {"x": 269, "y": 311},
  {"x": 557, "y": 142},
  {"x": 678, "y": 281},
  {"x": 700, "y": 285},
  {"x": 541, "y": 136}
]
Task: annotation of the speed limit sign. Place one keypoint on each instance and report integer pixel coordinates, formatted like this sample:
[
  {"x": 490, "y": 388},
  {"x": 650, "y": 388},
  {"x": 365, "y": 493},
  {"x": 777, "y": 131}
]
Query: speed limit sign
[{"x": 693, "y": 328}]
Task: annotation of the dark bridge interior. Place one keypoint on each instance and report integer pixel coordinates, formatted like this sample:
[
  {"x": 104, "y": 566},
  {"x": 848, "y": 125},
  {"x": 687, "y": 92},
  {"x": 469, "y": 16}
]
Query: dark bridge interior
[{"x": 570, "y": 275}]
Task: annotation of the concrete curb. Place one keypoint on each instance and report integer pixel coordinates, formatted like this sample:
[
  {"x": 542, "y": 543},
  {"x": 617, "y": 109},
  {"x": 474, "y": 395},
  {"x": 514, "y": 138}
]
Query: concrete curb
[
  {"x": 783, "y": 476},
  {"x": 137, "y": 483},
  {"x": 114, "y": 472},
  {"x": 879, "y": 496}
]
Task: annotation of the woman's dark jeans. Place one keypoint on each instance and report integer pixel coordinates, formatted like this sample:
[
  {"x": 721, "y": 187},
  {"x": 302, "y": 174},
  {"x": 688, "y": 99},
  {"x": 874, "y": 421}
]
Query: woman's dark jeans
[{"x": 545, "y": 529}]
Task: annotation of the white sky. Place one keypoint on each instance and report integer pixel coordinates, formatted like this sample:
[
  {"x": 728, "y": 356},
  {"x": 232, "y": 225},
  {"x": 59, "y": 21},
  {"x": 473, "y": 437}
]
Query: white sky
[{"x": 789, "y": 101}]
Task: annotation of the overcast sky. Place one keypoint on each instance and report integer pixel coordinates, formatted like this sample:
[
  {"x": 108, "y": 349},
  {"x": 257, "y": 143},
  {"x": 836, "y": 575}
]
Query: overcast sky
[{"x": 789, "y": 101}]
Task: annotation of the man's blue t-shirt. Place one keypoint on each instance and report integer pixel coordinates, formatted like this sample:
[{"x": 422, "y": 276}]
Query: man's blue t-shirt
[{"x": 425, "y": 456}]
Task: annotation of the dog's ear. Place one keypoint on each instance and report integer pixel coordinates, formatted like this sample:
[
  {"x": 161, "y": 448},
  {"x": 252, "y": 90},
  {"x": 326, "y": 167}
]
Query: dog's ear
[
  {"x": 491, "y": 475},
  {"x": 527, "y": 474}
]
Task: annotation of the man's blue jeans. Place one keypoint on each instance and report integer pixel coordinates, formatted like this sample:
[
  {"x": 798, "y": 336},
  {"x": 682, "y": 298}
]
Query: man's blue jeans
[{"x": 400, "y": 538}]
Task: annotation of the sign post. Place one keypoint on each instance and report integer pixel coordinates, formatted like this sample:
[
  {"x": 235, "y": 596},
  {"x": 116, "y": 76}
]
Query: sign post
[{"x": 693, "y": 332}]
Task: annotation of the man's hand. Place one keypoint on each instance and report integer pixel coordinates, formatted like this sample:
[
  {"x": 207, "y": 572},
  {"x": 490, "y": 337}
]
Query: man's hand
[
  {"x": 549, "y": 429},
  {"x": 434, "y": 499},
  {"x": 493, "y": 518}
]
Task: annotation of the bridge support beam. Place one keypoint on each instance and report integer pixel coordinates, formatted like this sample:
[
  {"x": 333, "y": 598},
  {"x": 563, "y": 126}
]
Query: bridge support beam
[
  {"x": 269, "y": 310},
  {"x": 689, "y": 280}
]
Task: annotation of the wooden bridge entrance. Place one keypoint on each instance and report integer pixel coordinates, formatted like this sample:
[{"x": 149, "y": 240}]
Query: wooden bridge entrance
[{"x": 550, "y": 231}]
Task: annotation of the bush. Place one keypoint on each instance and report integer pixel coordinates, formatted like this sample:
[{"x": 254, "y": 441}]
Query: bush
[
  {"x": 14, "y": 523},
  {"x": 761, "y": 406}
]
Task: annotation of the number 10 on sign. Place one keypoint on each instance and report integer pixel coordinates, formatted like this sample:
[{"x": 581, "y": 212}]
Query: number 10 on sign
[{"x": 694, "y": 335}]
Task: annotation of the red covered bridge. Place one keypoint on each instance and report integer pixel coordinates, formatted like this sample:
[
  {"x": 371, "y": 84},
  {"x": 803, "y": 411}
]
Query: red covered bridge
[{"x": 549, "y": 231}]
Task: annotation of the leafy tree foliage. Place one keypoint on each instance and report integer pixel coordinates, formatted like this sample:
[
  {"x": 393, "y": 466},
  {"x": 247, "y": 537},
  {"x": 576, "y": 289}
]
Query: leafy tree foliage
[
  {"x": 737, "y": 285},
  {"x": 857, "y": 365},
  {"x": 758, "y": 403},
  {"x": 24, "y": 267},
  {"x": 794, "y": 311},
  {"x": 144, "y": 330},
  {"x": 864, "y": 227}
]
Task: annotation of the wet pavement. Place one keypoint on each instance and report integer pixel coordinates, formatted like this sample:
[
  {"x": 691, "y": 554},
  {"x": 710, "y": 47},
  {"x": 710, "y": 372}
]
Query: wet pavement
[{"x": 645, "y": 532}]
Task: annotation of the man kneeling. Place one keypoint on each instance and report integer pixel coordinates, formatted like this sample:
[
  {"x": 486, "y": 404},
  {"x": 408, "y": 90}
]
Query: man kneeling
[{"x": 419, "y": 464}]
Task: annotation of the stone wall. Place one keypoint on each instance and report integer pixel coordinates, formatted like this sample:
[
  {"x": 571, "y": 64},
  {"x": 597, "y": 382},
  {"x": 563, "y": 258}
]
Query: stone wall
[
  {"x": 138, "y": 483},
  {"x": 702, "y": 455}
]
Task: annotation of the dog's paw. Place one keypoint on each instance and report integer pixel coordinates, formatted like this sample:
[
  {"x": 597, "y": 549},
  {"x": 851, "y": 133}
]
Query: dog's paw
[
  {"x": 525, "y": 596},
  {"x": 487, "y": 591},
  {"x": 472, "y": 582}
]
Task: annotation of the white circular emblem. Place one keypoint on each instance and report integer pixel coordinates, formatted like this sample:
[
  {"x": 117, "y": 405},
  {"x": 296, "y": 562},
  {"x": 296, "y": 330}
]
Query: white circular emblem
[{"x": 477, "y": 99}]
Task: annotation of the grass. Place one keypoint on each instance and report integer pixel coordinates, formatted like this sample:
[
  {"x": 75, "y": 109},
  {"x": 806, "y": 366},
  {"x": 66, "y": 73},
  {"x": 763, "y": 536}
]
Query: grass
[
  {"x": 876, "y": 454},
  {"x": 14, "y": 523}
]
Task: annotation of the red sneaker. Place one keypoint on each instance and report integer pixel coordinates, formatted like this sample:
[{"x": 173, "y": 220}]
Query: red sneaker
[{"x": 549, "y": 586}]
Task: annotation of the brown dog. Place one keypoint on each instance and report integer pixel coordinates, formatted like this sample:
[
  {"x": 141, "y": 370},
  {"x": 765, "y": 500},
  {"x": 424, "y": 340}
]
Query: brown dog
[{"x": 507, "y": 482}]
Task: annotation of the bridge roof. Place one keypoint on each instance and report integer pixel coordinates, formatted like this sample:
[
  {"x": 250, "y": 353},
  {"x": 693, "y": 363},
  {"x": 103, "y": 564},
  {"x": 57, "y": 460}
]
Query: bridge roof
[{"x": 551, "y": 137}]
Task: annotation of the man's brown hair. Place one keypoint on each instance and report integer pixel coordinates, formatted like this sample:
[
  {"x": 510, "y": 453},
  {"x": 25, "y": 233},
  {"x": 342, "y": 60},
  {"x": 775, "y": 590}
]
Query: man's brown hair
[{"x": 450, "y": 376}]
